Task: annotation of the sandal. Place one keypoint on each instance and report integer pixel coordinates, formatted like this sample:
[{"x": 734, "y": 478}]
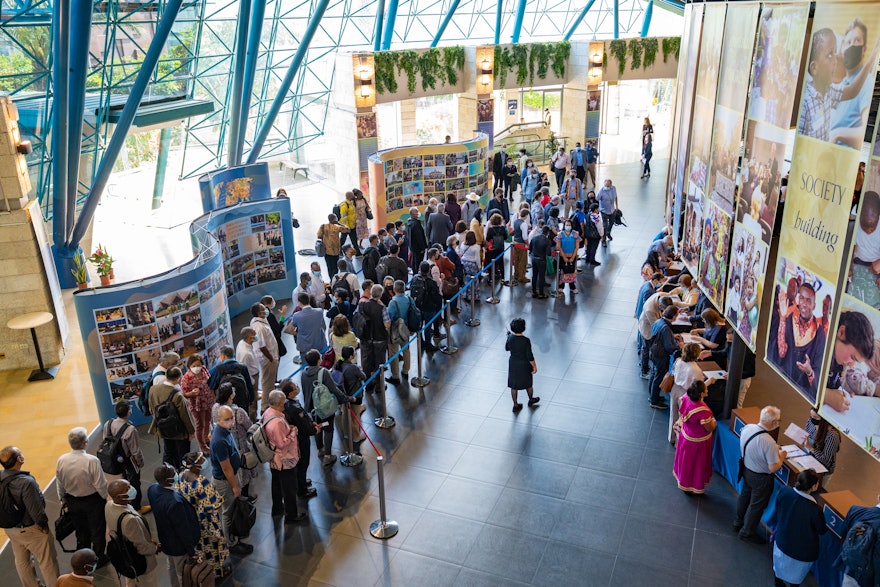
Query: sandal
[
  {"x": 533, "y": 401},
  {"x": 517, "y": 407}
]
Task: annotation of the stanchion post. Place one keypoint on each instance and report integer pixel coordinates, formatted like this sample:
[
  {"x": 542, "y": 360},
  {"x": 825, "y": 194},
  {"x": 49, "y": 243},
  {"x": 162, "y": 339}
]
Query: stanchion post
[
  {"x": 492, "y": 299},
  {"x": 555, "y": 291},
  {"x": 473, "y": 320},
  {"x": 420, "y": 381},
  {"x": 449, "y": 348},
  {"x": 384, "y": 421},
  {"x": 350, "y": 458},
  {"x": 510, "y": 281},
  {"x": 382, "y": 528}
]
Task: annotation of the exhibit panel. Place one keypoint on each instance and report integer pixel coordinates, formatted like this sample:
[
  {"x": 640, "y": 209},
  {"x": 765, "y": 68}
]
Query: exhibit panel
[
  {"x": 126, "y": 328},
  {"x": 819, "y": 195},
  {"x": 233, "y": 185},
  {"x": 777, "y": 59},
  {"x": 257, "y": 246},
  {"x": 407, "y": 177}
]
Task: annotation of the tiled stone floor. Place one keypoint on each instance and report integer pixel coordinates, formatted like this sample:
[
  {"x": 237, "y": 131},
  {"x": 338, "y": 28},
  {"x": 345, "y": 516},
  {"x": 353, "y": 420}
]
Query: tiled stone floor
[{"x": 576, "y": 492}]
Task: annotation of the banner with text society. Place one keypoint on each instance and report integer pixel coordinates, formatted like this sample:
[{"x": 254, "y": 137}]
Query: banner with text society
[{"x": 831, "y": 126}]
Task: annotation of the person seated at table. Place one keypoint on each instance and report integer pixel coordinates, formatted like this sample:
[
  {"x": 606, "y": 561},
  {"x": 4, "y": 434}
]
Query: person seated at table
[
  {"x": 687, "y": 291},
  {"x": 651, "y": 265},
  {"x": 663, "y": 248},
  {"x": 714, "y": 336}
]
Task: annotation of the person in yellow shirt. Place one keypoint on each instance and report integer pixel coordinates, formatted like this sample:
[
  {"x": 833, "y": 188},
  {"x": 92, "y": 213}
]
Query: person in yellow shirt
[{"x": 348, "y": 219}]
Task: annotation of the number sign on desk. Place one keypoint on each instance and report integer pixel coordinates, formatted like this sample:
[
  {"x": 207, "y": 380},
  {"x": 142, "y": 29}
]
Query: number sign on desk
[
  {"x": 782, "y": 474},
  {"x": 833, "y": 520}
]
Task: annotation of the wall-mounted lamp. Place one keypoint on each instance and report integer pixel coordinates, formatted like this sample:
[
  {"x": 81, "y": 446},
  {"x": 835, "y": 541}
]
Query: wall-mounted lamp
[
  {"x": 485, "y": 76},
  {"x": 364, "y": 71},
  {"x": 596, "y": 59},
  {"x": 595, "y": 75},
  {"x": 24, "y": 147},
  {"x": 366, "y": 82}
]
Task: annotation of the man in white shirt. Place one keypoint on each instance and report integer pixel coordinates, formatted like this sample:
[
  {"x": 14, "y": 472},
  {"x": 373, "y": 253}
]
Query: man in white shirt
[
  {"x": 166, "y": 361},
  {"x": 559, "y": 162},
  {"x": 82, "y": 486},
  {"x": 265, "y": 347},
  {"x": 244, "y": 354},
  {"x": 311, "y": 285}
]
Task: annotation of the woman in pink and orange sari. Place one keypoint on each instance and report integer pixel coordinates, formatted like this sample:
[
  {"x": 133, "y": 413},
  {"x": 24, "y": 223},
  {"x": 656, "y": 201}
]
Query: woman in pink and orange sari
[{"x": 693, "y": 451}]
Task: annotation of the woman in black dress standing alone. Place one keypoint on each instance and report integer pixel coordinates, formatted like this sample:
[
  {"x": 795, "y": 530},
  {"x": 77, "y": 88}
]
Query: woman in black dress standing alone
[{"x": 522, "y": 365}]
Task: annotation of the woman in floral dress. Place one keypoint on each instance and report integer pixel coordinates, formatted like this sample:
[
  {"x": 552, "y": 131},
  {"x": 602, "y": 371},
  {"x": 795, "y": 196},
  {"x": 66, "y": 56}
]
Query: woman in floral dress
[
  {"x": 199, "y": 492},
  {"x": 199, "y": 398}
]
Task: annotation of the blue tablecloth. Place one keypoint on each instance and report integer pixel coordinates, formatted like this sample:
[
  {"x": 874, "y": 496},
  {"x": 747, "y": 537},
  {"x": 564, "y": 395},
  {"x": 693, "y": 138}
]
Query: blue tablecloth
[{"x": 725, "y": 460}]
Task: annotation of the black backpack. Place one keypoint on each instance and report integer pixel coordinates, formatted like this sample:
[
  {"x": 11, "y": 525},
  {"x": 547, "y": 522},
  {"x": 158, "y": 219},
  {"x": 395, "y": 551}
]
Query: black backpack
[
  {"x": 342, "y": 283},
  {"x": 497, "y": 242},
  {"x": 144, "y": 399},
  {"x": 418, "y": 290},
  {"x": 337, "y": 211},
  {"x": 11, "y": 514},
  {"x": 236, "y": 380},
  {"x": 168, "y": 421},
  {"x": 125, "y": 558},
  {"x": 360, "y": 323},
  {"x": 859, "y": 552},
  {"x": 111, "y": 453}
]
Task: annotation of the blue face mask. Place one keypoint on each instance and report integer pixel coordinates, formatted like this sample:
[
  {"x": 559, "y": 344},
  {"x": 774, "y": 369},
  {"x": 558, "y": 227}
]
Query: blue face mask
[
  {"x": 266, "y": 313},
  {"x": 132, "y": 493}
]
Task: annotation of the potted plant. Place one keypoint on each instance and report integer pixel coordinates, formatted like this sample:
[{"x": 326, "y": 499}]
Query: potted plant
[
  {"x": 103, "y": 264},
  {"x": 80, "y": 273}
]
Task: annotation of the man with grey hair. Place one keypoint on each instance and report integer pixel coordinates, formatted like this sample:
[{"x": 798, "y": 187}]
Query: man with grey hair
[
  {"x": 439, "y": 226},
  {"x": 762, "y": 458},
  {"x": 166, "y": 361},
  {"x": 120, "y": 515},
  {"x": 225, "y": 463},
  {"x": 82, "y": 486},
  {"x": 418, "y": 241},
  {"x": 374, "y": 343},
  {"x": 283, "y": 465}
]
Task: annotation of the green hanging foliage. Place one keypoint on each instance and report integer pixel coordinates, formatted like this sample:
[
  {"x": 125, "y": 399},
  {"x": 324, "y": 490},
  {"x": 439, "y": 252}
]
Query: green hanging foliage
[
  {"x": 429, "y": 69},
  {"x": 561, "y": 52},
  {"x": 386, "y": 71},
  {"x": 671, "y": 46},
  {"x": 649, "y": 46},
  {"x": 501, "y": 65},
  {"x": 617, "y": 48},
  {"x": 408, "y": 62},
  {"x": 634, "y": 48},
  {"x": 520, "y": 57},
  {"x": 453, "y": 62}
]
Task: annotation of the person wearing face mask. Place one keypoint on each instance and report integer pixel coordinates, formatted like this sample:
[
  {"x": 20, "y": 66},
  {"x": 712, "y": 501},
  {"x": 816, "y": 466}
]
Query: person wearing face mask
[
  {"x": 578, "y": 159},
  {"x": 530, "y": 183},
  {"x": 225, "y": 464},
  {"x": 848, "y": 117},
  {"x": 83, "y": 563},
  {"x": 559, "y": 162},
  {"x": 511, "y": 179},
  {"x": 32, "y": 537},
  {"x": 274, "y": 324},
  {"x": 176, "y": 436},
  {"x": 177, "y": 526},
  {"x": 265, "y": 348},
  {"x": 132, "y": 454},
  {"x": 567, "y": 243},
  {"x": 572, "y": 191},
  {"x": 200, "y": 398},
  {"x": 120, "y": 515}
]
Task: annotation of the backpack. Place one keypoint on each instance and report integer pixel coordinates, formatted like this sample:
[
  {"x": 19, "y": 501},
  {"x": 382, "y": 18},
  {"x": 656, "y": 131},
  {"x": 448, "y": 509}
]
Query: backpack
[
  {"x": 324, "y": 403},
  {"x": 238, "y": 383},
  {"x": 143, "y": 402},
  {"x": 11, "y": 514},
  {"x": 413, "y": 318},
  {"x": 381, "y": 271},
  {"x": 592, "y": 230},
  {"x": 198, "y": 574},
  {"x": 337, "y": 211},
  {"x": 859, "y": 551},
  {"x": 340, "y": 282},
  {"x": 497, "y": 242},
  {"x": 122, "y": 553},
  {"x": 359, "y": 323},
  {"x": 418, "y": 289},
  {"x": 167, "y": 419},
  {"x": 244, "y": 516},
  {"x": 110, "y": 452},
  {"x": 261, "y": 449}
]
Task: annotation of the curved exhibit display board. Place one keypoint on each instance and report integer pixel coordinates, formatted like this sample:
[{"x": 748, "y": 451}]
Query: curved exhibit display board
[
  {"x": 126, "y": 328},
  {"x": 256, "y": 242},
  {"x": 410, "y": 176},
  {"x": 234, "y": 185}
]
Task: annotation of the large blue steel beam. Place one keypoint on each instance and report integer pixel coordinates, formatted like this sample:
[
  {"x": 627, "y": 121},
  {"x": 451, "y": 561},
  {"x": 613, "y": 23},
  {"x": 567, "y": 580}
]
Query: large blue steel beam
[
  {"x": 517, "y": 25},
  {"x": 616, "y": 19},
  {"x": 235, "y": 113},
  {"x": 255, "y": 32},
  {"x": 389, "y": 24},
  {"x": 117, "y": 141},
  {"x": 578, "y": 20},
  {"x": 445, "y": 23},
  {"x": 80, "y": 32},
  {"x": 498, "y": 9},
  {"x": 377, "y": 33},
  {"x": 60, "y": 120},
  {"x": 284, "y": 88},
  {"x": 646, "y": 24}
]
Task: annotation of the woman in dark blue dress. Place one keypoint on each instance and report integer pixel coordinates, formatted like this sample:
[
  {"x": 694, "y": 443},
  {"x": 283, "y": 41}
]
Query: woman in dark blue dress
[{"x": 521, "y": 366}]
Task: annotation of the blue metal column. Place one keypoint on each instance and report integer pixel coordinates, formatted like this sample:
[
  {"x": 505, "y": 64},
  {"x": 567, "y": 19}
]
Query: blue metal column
[
  {"x": 80, "y": 33},
  {"x": 646, "y": 24},
  {"x": 377, "y": 33},
  {"x": 117, "y": 141},
  {"x": 445, "y": 22},
  {"x": 517, "y": 25},
  {"x": 616, "y": 19},
  {"x": 389, "y": 24},
  {"x": 578, "y": 20},
  {"x": 60, "y": 121},
  {"x": 284, "y": 88},
  {"x": 498, "y": 9},
  {"x": 255, "y": 32},
  {"x": 235, "y": 114}
]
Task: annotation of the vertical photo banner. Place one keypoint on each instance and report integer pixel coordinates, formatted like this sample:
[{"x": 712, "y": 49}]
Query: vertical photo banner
[
  {"x": 701, "y": 135},
  {"x": 820, "y": 195},
  {"x": 684, "y": 102},
  {"x": 727, "y": 128},
  {"x": 778, "y": 54}
]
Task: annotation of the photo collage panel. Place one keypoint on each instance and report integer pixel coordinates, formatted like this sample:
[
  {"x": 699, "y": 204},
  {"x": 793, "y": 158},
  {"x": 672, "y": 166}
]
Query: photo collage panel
[
  {"x": 253, "y": 251},
  {"x": 413, "y": 180}
]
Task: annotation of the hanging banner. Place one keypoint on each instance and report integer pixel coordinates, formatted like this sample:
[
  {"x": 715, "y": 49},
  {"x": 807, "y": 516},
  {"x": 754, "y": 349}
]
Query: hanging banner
[
  {"x": 733, "y": 86},
  {"x": 778, "y": 55},
  {"x": 820, "y": 193},
  {"x": 684, "y": 100},
  {"x": 233, "y": 185},
  {"x": 701, "y": 135}
]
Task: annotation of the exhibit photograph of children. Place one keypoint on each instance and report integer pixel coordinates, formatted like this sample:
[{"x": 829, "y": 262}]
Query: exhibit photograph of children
[
  {"x": 761, "y": 177},
  {"x": 713, "y": 254},
  {"x": 693, "y": 225},
  {"x": 851, "y": 399},
  {"x": 745, "y": 283},
  {"x": 840, "y": 75},
  {"x": 781, "y": 31},
  {"x": 366, "y": 125},
  {"x": 798, "y": 331},
  {"x": 863, "y": 279}
]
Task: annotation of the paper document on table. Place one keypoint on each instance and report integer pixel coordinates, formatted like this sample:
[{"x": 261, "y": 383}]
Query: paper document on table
[
  {"x": 810, "y": 462},
  {"x": 793, "y": 451},
  {"x": 796, "y": 433},
  {"x": 715, "y": 374},
  {"x": 690, "y": 338}
]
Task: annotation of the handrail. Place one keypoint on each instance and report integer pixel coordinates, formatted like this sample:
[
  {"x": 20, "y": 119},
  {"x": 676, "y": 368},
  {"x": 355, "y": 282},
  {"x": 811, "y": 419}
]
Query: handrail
[{"x": 520, "y": 124}]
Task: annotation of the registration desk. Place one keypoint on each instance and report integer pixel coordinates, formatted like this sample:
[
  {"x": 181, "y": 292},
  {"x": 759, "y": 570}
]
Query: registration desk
[{"x": 725, "y": 460}]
